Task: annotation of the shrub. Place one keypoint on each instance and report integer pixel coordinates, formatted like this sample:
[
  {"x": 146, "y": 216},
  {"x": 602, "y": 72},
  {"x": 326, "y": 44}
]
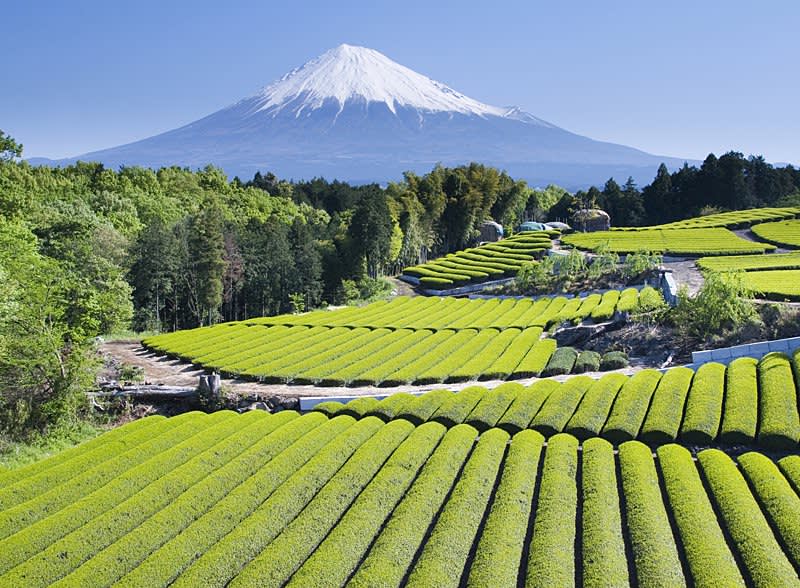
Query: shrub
[
  {"x": 710, "y": 560},
  {"x": 593, "y": 410},
  {"x": 704, "y": 405},
  {"x": 613, "y": 360},
  {"x": 666, "y": 410},
  {"x": 630, "y": 406},
  {"x": 552, "y": 552},
  {"x": 390, "y": 557},
  {"x": 721, "y": 304},
  {"x": 561, "y": 362},
  {"x": 655, "y": 554},
  {"x": 603, "y": 545},
  {"x": 587, "y": 361},
  {"x": 501, "y": 542},
  {"x": 446, "y": 552},
  {"x": 749, "y": 531},
  {"x": 779, "y": 424},
  {"x": 560, "y": 406},
  {"x": 740, "y": 412}
]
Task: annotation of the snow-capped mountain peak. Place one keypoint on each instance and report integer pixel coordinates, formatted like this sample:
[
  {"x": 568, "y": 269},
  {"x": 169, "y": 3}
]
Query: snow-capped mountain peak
[{"x": 349, "y": 73}]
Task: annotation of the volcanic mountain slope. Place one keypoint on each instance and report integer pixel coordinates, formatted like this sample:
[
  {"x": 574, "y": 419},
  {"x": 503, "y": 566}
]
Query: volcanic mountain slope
[{"x": 354, "y": 114}]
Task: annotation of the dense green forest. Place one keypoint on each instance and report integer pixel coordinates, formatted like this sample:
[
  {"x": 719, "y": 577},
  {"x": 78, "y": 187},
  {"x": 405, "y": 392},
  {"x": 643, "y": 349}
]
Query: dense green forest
[{"x": 86, "y": 250}]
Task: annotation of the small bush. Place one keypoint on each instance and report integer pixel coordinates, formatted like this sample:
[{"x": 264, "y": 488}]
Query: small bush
[
  {"x": 614, "y": 360},
  {"x": 588, "y": 361},
  {"x": 561, "y": 362}
]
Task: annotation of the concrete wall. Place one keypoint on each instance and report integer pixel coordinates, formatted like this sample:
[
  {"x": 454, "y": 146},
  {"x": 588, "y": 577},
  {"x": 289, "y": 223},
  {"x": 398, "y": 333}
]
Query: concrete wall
[{"x": 756, "y": 350}]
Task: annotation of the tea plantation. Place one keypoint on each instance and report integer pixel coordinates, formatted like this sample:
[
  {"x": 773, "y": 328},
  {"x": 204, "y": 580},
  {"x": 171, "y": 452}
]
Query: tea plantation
[
  {"x": 391, "y": 500},
  {"x": 408, "y": 340},
  {"x": 491, "y": 261},
  {"x": 691, "y": 242}
]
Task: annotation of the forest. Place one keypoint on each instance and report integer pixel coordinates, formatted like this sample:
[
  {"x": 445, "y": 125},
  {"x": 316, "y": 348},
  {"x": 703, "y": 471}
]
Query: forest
[{"x": 86, "y": 250}]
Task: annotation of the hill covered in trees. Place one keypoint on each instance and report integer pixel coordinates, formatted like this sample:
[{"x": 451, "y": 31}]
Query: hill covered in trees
[{"x": 88, "y": 250}]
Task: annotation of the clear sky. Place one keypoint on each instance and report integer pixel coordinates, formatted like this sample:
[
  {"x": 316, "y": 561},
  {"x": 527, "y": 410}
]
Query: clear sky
[{"x": 680, "y": 78}]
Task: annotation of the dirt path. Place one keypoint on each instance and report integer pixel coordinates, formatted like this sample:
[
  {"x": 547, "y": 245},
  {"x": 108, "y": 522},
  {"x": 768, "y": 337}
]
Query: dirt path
[
  {"x": 686, "y": 273},
  {"x": 402, "y": 288},
  {"x": 161, "y": 370}
]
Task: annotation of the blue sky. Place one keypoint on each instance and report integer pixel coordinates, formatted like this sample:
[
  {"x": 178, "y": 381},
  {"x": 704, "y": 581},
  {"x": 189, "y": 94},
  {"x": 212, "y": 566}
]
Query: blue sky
[{"x": 673, "y": 78}]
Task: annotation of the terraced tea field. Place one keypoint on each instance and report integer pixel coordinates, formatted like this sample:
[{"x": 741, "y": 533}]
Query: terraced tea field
[
  {"x": 784, "y": 233},
  {"x": 749, "y": 402},
  {"x": 732, "y": 220},
  {"x": 408, "y": 340},
  {"x": 692, "y": 242},
  {"x": 492, "y": 261},
  {"x": 283, "y": 499},
  {"x": 748, "y": 263},
  {"x": 775, "y": 285}
]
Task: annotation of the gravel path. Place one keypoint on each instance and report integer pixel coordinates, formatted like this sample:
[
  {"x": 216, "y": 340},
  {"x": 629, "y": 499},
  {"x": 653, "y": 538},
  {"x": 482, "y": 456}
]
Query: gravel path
[
  {"x": 685, "y": 273},
  {"x": 164, "y": 371}
]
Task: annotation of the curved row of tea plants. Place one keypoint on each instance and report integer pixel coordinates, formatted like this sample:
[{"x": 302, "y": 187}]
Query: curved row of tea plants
[
  {"x": 775, "y": 284},
  {"x": 750, "y": 263},
  {"x": 492, "y": 261},
  {"x": 735, "y": 219},
  {"x": 683, "y": 242},
  {"x": 308, "y": 500},
  {"x": 408, "y": 340},
  {"x": 784, "y": 234},
  {"x": 747, "y": 402}
]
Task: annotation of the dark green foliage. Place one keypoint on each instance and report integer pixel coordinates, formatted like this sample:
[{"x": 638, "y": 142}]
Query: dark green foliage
[
  {"x": 561, "y": 362},
  {"x": 614, "y": 360},
  {"x": 587, "y": 361}
]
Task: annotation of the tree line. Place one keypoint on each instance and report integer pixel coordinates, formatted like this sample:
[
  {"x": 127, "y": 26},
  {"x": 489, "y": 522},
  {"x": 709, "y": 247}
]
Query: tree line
[{"x": 86, "y": 250}]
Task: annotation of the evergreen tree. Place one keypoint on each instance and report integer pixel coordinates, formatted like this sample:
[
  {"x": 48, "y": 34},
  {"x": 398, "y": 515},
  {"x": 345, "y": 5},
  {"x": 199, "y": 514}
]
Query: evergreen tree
[{"x": 206, "y": 246}]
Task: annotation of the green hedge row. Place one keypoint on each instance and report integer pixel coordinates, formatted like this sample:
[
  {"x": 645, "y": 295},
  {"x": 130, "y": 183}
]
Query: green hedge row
[
  {"x": 66, "y": 550},
  {"x": 752, "y": 537},
  {"x": 561, "y": 362},
  {"x": 391, "y": 556},
  {"x": 630, "y": 407},
  {"x": 655, "y": 554},
  {"x": 740, "y": 415},
  {"x": 501, "y": 543},
  {"x": 777, "y": 498},
  {"x": 273, "y": 435},
  {"x": 711, "y": 562},
  {"x": 666, "y": 411},
  {"x": 779, "y": 425},
  {"x": 704, "y": 405},
  {"x": 372, "y": 463},
  {"x": 603, "y": 546},
  {"x": 219, "y": 564},
  {"x": 552, "y": 551},
  {"x": 445, "y": 554},
  {"x": 595, "y": 406},
  {"x": 318, "y": 442}
]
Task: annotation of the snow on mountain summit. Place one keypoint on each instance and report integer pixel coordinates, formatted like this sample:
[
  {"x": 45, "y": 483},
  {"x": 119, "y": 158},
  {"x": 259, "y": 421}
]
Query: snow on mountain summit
[{"x": 349, "y": 73}]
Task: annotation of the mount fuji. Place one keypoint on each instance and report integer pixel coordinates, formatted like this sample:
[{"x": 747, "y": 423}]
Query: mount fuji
[{"x": 354, "y": 114}]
